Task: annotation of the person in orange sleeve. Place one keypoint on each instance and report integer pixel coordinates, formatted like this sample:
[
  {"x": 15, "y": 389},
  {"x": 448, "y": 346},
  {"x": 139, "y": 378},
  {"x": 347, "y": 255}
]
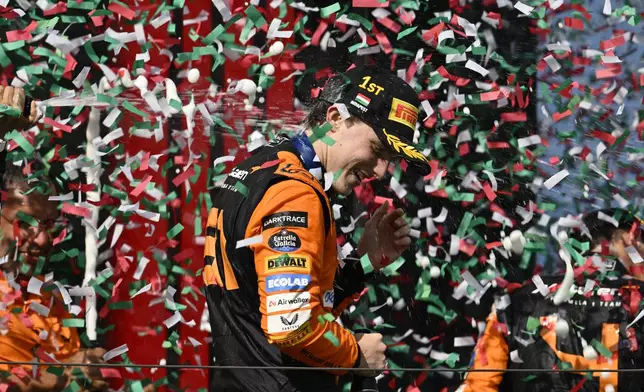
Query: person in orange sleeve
[
  {"x": 274, "y": 283},
  {"x": 527, "y": 330},
  {"x": 31, "y": 317}
]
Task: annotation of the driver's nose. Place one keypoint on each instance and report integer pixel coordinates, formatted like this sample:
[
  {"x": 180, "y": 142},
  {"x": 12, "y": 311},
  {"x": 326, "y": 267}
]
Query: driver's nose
[{"x": 381, "y": 168}]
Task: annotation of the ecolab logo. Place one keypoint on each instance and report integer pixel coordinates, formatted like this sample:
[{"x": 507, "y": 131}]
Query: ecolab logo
[
  {"x": 287, "y": 301},
  {"x": 287, "y": 282}
]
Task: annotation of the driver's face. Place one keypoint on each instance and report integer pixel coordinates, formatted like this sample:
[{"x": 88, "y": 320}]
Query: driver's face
[{"x": 29, "y": 224}]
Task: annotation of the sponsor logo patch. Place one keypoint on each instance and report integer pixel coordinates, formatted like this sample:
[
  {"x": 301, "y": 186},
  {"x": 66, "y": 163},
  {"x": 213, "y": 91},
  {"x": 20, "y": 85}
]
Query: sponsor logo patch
[
  {"x": 328, "y": 298},
  {"x": 287, "y": 261},
  {"x": 287, "y": 322},
  {"x": 356, "y": 104},
  {"x": 297, "y": 337},
  {"x": 287, "y": 301},
  {"x": 238, "y": 174},
  {"x": 285, "y": 241},
  {"x": 403, "y": 113},
  {"x": 286, "y": 219},
  {"x": 283, "y": 282}
]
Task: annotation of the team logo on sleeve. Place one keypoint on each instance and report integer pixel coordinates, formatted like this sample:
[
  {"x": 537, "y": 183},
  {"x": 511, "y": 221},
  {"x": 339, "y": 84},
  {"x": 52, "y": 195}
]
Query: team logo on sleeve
[
  {"x": 285, "y": 282},
  {"x": 287, "y": 262},
  {"x": 403, "y": 113},
  {"x": 288, "y": 322},
  {"x": 284, "y": 241},
  {"x": 286, "y": 219}
]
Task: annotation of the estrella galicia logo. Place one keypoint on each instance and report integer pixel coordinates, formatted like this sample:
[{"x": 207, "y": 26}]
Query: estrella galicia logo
[
  {"x": 284, "y": 282},
  {"x": 285, "y": 241},
  {"x": 286, "y": 219}
]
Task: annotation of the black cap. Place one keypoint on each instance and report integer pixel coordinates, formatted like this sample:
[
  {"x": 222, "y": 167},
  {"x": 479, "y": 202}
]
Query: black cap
[{"x": 388, "y": 104}]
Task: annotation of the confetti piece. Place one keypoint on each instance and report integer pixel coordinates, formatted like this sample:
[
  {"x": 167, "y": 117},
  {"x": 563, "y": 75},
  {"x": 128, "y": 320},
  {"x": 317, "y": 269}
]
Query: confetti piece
[
  {"x": 367, "y": 266},
  {"x": 250, "y": 241},
  {"x": 555, "y": 179},
  {"x": 120, "y": 350},
  {"x": 330, "y": 336}
]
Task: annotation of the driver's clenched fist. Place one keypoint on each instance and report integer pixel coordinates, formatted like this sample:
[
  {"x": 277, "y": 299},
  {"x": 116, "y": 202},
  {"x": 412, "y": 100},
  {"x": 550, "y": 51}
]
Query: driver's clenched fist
[{"x": 15, "y": 97}]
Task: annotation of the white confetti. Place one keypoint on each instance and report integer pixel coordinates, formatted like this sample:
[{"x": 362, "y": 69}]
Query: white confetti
[
  {"x": 635, "y": 256},
  {"x": 556, "y": 179},
  {"x": 34, "y": 286},
  {"x": 523, "y": 8},
  {"x": 113, "y": 353},
  {"x": 529, "y": 141},
  {"x": 552, "y": 63},
  {"x": 172, "y": 320},
  {"x": 541, "y": 287},
  {"x": 143, "y": 289},
  {"x": 40, "y": 309},
  {"x": 608, "y": 8},
  {"x": 464, "y": 341},
  {"x": 194, "y": 342},
  {"x": 250, "y": 241},
  {"x": 63, "y": 291},
  {"x": 476, "y": 68},
  {"x": 427, "y": 108},
  {"x": 223, "y": 9}
]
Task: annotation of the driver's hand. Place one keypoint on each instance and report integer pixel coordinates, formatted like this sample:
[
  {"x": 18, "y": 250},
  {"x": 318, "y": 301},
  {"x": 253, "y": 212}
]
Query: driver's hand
[{"x": 15, "y": 98}]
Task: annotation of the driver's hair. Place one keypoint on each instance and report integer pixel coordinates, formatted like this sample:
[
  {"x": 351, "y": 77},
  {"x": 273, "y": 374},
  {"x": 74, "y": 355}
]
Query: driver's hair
[{"x": 331, "y": 93}]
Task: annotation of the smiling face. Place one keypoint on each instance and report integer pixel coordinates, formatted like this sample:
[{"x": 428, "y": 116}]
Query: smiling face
[
  {"x": 32, "y": 238},
  {"x": 357, "y": 152}
]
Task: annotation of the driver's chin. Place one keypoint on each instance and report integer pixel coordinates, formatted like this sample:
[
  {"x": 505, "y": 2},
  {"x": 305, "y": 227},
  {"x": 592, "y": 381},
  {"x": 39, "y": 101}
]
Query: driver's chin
[{"x": 341, "y": 187}]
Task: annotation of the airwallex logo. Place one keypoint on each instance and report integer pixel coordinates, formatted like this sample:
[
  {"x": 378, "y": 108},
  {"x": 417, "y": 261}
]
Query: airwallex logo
[{"x": 287, "y": 301}]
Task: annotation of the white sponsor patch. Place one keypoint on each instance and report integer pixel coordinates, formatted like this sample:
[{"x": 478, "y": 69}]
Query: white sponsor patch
[
  {"x": 287, "y": 301},
  {"x": 287, "y": 322}
]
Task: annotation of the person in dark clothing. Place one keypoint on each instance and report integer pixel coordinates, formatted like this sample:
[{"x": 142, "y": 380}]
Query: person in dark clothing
[
  {"x": 274, "y": 284},
  {"x": 597, "y": 325}
]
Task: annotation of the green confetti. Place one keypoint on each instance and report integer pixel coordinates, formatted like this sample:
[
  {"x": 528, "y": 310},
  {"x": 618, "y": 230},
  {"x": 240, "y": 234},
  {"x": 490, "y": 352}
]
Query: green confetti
[
  {"x": 532, "y": 324},
  {"x": 367, "y": 266},
  {"x": 22, "y": 217},
  {"x": 6, "y": 110},
  {"x": 255, "y": 16},
  {"x": 406, "y": 32},
  {"x": 330, "y": 336},
  {"x": 74, "y": 323},
  {"x": 603, "y": 350},
  {"x": 56, "y": 371},
  {"x": 325, "y": 12},
  {"x": 241, "y": 188},
  {"x": 123, "y": 305},
  {"x": 178, "y": 228},
  {"x": 391, "y": 269},
  {"x": 320, "y": 133}
]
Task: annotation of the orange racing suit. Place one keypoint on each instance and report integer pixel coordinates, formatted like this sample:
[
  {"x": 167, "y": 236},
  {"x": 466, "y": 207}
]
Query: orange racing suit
[
  {"x": 522, "y": 335},
  {"x": 273, "y": 299}
]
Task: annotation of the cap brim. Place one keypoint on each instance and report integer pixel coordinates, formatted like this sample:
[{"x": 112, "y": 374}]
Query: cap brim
[{"x": 404, "y": 149}]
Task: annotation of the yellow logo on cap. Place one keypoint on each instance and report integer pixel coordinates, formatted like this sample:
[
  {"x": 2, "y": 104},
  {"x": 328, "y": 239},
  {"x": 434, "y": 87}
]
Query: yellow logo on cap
[
  {"x": 403, "y": 113},
  {"x": 403, "y": 148}
]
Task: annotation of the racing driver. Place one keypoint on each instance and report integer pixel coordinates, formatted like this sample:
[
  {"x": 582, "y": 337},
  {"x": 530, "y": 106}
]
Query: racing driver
[
  {"x": 599, "y": 327},
  {"x": 274, "y": 282}
]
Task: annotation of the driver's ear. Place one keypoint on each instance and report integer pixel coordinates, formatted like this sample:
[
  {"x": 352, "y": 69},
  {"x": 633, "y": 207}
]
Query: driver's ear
[{"x": 333, "y": 117}]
